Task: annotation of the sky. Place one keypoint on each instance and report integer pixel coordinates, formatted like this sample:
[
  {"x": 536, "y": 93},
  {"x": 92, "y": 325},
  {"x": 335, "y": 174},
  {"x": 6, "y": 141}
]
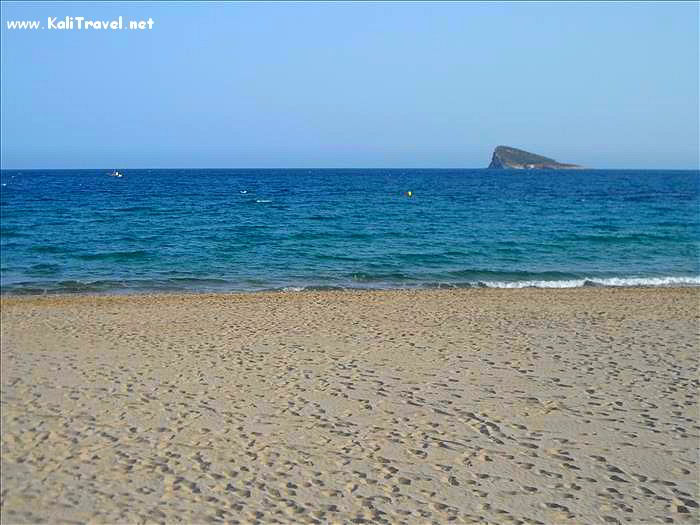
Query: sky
[{"x": 351, "y": 84}]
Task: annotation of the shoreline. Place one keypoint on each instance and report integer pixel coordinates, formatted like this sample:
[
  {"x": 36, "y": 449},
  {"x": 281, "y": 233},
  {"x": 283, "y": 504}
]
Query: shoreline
[
  {"x": 11, "y": 298},
  {"x": 403, "y": 406},
  {"x": 564, "y": 282}
]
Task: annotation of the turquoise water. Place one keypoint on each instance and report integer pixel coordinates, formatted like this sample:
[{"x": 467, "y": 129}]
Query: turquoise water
[{"x": 243, "y": 230}]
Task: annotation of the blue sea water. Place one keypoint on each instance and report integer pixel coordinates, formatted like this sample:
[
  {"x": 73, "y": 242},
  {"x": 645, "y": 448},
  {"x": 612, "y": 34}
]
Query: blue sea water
[{"x": 243, "y": 230}]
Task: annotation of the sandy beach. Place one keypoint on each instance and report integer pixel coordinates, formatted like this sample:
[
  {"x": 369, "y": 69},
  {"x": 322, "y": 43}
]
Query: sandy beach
[{"x": 436, "y": 406}]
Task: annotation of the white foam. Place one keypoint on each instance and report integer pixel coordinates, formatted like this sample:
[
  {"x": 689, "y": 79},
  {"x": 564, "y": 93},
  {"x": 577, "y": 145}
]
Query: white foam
[
  {"x": 649, "y": 281},
  {"x": 534, "y": 284},
  {"x": 612, "y": 281}
]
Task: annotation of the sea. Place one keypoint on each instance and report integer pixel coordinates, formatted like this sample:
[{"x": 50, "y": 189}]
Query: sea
[{"x": 243, "y": 230}]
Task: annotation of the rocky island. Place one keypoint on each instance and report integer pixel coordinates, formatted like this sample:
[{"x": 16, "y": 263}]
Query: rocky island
[{"x": 505, "y": 157}]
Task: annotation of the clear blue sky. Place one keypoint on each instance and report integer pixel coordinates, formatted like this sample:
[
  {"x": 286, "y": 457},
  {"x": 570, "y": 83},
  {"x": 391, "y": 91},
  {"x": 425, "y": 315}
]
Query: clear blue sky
[{"x": 344, "y": 84}]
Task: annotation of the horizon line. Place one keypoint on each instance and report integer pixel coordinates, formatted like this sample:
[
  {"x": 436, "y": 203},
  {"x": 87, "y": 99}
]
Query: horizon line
[{"x": 583, "y": 168}]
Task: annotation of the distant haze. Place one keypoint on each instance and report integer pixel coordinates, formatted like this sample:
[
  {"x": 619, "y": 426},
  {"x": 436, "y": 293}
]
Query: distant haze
[{"x": 352, "y": 85}]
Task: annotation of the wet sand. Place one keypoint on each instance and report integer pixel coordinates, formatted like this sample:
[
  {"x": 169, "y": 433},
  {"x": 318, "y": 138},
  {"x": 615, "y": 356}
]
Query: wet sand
[{"x": 501, "y": 406}]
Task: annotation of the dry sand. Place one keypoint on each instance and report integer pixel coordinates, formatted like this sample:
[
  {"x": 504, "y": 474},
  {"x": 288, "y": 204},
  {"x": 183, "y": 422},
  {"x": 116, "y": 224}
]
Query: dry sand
[{"x": 502, "y": 406}]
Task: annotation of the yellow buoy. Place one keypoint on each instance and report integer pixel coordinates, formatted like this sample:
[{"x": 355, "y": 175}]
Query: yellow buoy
[{"x": 410, "y": 194}]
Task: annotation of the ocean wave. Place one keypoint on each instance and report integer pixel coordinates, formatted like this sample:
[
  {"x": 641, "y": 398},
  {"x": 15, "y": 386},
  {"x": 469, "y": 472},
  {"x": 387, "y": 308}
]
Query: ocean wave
[
  {"x": 311, "y": 288},
  {"x": 593, "y": 281},
  {"x": 43, "y": 269},
  {"x": 119, "y": 286},
  {"x": 115, "y": 256},
  {"x": 12, "y": 232},
  {"x": 328, "y": 257},
  {"x": 61, "y": 287},
  {"x": 131, "y": 209},
  {"x": 381, "y": 277},
  {"x": 49, "y": 248},
  {"x": 611, "y": 282},
  {"x": 622, "y": 238},
  {"x": 194, "y": 285},
  {"x": 479, "y": 275},
  {"x": 423, "y": 258}
]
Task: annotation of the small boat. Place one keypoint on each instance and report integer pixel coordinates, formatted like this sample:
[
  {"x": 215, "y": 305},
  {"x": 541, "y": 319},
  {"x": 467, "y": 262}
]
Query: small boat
[{"x": 116, "y": 173}]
